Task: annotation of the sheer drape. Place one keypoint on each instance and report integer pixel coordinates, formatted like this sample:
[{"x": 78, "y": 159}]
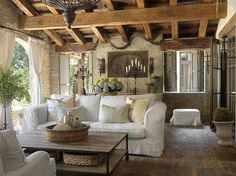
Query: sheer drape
[
  {"x": 37, "y": 52},
  {"x": 7, "y": 44}
]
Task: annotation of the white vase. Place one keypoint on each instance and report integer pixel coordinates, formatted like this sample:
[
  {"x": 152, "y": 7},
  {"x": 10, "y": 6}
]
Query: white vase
[{"x": 224, "y": 132}]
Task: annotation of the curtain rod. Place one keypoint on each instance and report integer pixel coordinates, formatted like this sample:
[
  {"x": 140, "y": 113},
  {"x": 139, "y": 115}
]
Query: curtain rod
[{"x": 18, "y": 31}]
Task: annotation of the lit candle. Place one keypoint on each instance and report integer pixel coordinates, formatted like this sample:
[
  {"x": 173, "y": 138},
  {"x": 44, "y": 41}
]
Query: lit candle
[
  {"x": 141, "y": 66},
  {"x": 144, "y": 68},
  {"x": 132, "y": 63},
  {"x": 126, "y": 69},
  {"x": 136, "y": 62},
  {"x": 129, "y": 67}
]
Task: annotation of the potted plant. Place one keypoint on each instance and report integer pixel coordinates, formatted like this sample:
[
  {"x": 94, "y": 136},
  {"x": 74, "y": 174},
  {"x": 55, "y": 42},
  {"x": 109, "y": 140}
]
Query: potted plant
[
  {"x": 10, "y": 89},
  {"x": 223, "y": 120}
]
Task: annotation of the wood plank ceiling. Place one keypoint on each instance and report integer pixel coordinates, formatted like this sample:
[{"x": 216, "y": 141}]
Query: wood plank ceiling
[{"x": 174, "y": 19}]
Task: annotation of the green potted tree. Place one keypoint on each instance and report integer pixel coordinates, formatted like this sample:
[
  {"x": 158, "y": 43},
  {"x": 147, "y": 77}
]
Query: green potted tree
[
  {"x": 11, "y": 88},
  {"x": 223, "y": 120}
]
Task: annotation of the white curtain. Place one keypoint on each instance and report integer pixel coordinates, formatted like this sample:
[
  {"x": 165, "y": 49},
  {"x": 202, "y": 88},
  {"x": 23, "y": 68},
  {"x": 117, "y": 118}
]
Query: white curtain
[
  {"x": 37, "y": 52},
  {"x": 7, "y": 44}
]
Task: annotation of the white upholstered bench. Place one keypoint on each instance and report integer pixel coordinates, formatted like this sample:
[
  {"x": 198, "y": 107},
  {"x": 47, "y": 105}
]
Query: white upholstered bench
[{"x": 186, "y": 117}]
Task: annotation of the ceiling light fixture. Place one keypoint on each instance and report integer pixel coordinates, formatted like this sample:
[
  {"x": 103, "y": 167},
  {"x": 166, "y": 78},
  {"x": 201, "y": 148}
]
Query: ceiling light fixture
[{"x": 69, "y": 7}]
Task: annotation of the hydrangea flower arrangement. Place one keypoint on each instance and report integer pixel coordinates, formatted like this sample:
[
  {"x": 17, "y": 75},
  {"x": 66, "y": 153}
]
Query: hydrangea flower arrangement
[{"x": 105, "y": 85}]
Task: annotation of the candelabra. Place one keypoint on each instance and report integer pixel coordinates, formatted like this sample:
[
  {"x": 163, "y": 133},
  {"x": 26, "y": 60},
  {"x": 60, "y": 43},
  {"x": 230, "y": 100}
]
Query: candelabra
[
  {"x": 135, "y": 69},
  {"x": 82, "y": 73}
]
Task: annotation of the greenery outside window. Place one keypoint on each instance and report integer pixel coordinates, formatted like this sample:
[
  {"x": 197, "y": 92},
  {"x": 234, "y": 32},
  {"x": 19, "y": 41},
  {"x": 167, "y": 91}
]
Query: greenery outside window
[{"x": 184, "y": 71}]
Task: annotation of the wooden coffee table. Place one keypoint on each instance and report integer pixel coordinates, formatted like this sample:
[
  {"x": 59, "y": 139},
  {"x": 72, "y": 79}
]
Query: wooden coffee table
[{"x": 95, "y": 143}]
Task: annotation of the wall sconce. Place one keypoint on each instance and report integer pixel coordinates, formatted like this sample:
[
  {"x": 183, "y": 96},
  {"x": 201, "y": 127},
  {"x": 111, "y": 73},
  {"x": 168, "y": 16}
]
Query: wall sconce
[
  {"x": 151, "y": 65},
  {"x": 101, "y": 66}
]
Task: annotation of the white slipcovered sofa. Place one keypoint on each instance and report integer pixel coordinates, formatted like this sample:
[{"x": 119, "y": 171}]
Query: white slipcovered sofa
[
  {"x": 146, "y": 138},
  {"x": 14, "y": 163}
]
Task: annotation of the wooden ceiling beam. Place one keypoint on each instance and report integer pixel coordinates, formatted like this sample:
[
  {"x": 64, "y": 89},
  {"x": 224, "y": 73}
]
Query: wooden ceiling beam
[
  {"x": 120, "y": 28},
  {"x": 174, "y": 30},
  {"x": 125, "y": 17},
  {"x": 90, "y": 46},
  {"x": 75, "y": 33},
  {"x": 25, "y": 7},
  {"x": 174, "y": 25},
  {"x": 202, "y": 28},
  {"x": 179, "y": 44},
  {"x": 98, "y": 32},
  {"x": 54, "y": 36},
  {"x": 53, "y": 10},
  {"x": 146, "y": 26},
  {"x": 30, "y": 12}
]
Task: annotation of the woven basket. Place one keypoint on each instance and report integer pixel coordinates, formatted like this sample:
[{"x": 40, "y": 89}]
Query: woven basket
[
  {"x": 83, "y": 159},
  {"x": 72, "y": 135}
]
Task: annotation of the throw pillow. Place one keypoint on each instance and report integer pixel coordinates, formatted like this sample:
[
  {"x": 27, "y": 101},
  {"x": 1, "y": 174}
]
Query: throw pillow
[
  {"x": 10, "y": 151},
  {"x": 68, "y": 102},
  {"x": 138, "y": 108},
  {"x": 52, "y": 109},
  {"x": 116, "y": 114},
  {"x": 77, "y": 111},
  {"x": 54, "y": 104}
]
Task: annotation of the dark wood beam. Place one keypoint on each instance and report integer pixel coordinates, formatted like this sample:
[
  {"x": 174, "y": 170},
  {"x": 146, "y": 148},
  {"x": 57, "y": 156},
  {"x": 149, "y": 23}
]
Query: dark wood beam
[
  {"x": 174, "y": 25},
  {"x": 68, "y": 48},
  {"x": 30, "y": 12},
  {"x": 76, "y": 34},
  {"x": 202, "y": 28},
  {"x": 120, "y": 28},
  {"x": 146, "y": 26},
  {"x": 228, "y": 26},
  {"x": 174, "y": 30},
  {"x": 131, "y": 16},
  {"x": 181, "y": 44},
  {"x": 98, "y": 32},
  {"x": 54, "y": 36}
]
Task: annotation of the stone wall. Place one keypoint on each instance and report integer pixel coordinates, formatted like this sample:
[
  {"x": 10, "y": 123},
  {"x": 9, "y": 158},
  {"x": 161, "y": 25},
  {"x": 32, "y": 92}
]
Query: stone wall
[
  {"x": 54, "y": 71},
  {"x": 199, "y": 101},
  {"x": 138, "y": 44},
  {"x": 9, "y": 14}
]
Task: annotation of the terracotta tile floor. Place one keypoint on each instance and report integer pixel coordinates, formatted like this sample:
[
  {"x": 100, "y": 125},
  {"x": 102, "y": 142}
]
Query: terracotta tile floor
[{"x": 188, "y": 151}]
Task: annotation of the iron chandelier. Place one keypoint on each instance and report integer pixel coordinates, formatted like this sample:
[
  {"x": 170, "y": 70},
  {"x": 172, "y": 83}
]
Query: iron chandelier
[{"x": 69, "y": 7}]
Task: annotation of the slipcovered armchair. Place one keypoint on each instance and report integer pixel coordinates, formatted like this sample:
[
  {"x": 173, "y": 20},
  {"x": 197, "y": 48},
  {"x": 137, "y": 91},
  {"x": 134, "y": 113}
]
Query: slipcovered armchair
[{"x": 14, "y": 163}]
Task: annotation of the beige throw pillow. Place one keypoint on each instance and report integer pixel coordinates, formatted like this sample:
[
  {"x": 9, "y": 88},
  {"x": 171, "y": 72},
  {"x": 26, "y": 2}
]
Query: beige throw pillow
[
  {"x": 137, "y": 109},
  {"x": 76, "y": 111},
  {"x": 10, "y": 151},
  {"x": 54, "y": 104},
  {"x": 117, "y": 114}
]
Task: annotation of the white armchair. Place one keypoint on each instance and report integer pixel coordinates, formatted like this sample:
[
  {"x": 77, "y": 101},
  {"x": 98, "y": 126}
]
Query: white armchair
[{"x": 14, "y": 163}]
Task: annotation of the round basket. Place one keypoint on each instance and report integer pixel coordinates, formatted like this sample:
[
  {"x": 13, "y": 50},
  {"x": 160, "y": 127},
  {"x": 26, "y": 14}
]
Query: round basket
[{"x": 72, "y": 135}]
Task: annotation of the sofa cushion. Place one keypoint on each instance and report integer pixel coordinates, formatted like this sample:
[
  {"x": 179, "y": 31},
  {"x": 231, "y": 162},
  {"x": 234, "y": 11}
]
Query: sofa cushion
[
  {"x": 111, "y": 101},
  {"x": 10, "y": 151},
  {"x": 134, "y": 130},
  {"x": 114, "y": 114},
  {"x": 138, "y": 108},
  {"x": 152, "y": 98},
  {"x": 90, "y": 106}
]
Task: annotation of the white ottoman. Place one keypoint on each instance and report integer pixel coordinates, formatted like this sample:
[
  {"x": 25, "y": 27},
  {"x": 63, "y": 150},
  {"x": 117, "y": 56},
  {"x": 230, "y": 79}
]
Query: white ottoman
[{"x": 186, "y": 117}]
